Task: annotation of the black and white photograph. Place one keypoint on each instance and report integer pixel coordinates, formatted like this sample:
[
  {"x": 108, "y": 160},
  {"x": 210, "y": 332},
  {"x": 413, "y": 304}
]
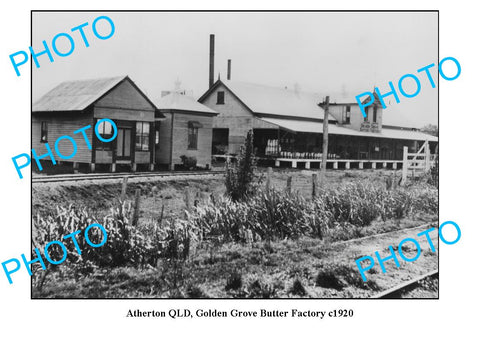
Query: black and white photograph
[
  {"x": 239, "y": 170},
  {"x": 242, "y": 155}
]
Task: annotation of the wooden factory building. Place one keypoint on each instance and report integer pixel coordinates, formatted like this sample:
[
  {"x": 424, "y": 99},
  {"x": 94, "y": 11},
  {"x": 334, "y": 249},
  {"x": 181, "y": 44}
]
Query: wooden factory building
[
  {"x": 186, "y": 131},
  {"x": 288, "y": 127},
  {"x": 75, "y": 104}
]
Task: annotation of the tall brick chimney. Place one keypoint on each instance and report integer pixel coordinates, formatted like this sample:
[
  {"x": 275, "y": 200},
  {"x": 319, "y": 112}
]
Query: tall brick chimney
[
  {"x": 212, "y": 60},
  {"x": 229, "y": 69}
]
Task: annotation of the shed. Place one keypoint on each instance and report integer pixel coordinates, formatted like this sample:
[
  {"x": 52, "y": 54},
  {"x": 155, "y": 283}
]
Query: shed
[
  {"x": 186, "y": 131},
  {"x": 75, "y": 104}
]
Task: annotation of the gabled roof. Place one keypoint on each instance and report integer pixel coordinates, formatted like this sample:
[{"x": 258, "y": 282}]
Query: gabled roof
[
  {"x": 78, "y": 95},
  {"x": 266, "y": 100},
  {"x": 178, "y": 102}
]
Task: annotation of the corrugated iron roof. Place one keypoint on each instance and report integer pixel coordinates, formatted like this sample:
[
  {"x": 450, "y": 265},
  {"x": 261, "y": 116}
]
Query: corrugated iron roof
[
  {"x": 177, "y": 101},
  {"x": 75, "y": 95},
  {"x": 278, "y": 101},
  {"x": 314, "y": 127}
]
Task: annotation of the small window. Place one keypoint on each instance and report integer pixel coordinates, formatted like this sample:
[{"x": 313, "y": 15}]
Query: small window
[
  {"x": 346, "y": 118},
  {"x": 157, "y": 137},
  {"x": 375, "y": 114},
  {"x": 142, "y": 136},
  {"x": 105, "y": 130},
  {"x": 192, "y": 135},
  {"x": 220, "y": 97},
  {"x": 44, "y": 133}
]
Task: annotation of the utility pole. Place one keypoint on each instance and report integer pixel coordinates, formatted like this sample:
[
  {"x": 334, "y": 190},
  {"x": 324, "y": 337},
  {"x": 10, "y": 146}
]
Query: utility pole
[{"x": 325, "y": 141}]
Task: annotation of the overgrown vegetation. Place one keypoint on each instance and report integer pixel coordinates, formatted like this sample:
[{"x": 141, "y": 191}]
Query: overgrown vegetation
[
  {"x": 189, "y": 163},
  {"x": 127, "y": 244},
  {"x": 166, "y": 248},
  {"x": 272, "y": 214}
]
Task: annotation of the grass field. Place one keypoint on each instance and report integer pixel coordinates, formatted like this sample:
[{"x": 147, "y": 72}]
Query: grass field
[{"x": 306, "y": 266}]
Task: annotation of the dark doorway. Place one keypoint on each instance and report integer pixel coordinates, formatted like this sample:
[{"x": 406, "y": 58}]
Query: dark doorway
[{"x": 219, "y": 141}]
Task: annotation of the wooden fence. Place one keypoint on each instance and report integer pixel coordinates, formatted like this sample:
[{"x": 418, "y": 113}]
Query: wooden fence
[{"x": 417, "y": 163}]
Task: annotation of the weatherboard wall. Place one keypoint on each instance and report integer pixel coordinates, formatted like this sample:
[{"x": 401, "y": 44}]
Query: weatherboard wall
[
  {"x": 172, "y": 146},
  {"x": 125, "y": 96},
  {"x": 233, "y": 115},
  {"x": 60, "y": 124},
  {"x": 203, "y": 152}
]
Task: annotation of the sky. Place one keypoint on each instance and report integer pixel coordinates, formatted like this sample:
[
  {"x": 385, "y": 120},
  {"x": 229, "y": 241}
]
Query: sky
[{"x": 330, "y": 53}]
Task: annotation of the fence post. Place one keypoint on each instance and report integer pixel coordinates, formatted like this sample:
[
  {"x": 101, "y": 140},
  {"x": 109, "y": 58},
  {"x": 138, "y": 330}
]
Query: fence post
[
  {"x": 188, "y": 203},
  {"x": 124, "y": 189},
  {"x": 136, "y": 210},
  {"x": 289, "y": 184},
  {"x": 405, "y": 165},
  {"x": 197, "y": 199},
  {"x": 314, "y": 185},
  {"x": 269, "y": 176}
]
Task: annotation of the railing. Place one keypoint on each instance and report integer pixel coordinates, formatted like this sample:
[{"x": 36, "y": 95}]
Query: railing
[
  {"x": 369, "y": 127},
  {"x": 365, "y": 126},
  {"x": 374, "y": 127}
]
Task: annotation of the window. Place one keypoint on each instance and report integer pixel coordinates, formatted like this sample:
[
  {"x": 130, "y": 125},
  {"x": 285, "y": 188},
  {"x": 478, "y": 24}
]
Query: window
[
  {"x": 365, "y": 119},
  {"x": 193, "y": 135},
  {"x": 105, "y": 130},
  {"x": 142, "y": 136},
  {"x": 220, "y": 97},
  {"x": 44, "y": 133},
  {"x": 346, "y": 118},
  {"x": 375, "y": 113}
]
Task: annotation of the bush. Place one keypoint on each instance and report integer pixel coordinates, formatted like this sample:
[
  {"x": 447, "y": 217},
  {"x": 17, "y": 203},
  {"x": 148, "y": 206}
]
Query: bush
[
  {"x": 257, "y": 289},
  {"x": 327, "y": 278},
  {"x": 239, "y": 175},
  {"x": 280, "y": 215},
  {"x": 267, "y": 216},
  {"x": 126, "y": 244},
  {"x": 338, "y": 277},
  {"x": 234, "y": 281},
  {"x": 357, "y": 204},
  {"x": 189, "y": 163},
  {"x": 195, "y": 292},
  {"x": 298, "y": 288}
]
